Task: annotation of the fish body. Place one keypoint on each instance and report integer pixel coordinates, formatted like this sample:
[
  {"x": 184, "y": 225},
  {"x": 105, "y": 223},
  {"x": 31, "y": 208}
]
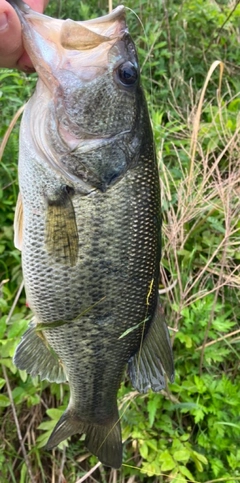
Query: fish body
[{"x": 88, "y": 223}]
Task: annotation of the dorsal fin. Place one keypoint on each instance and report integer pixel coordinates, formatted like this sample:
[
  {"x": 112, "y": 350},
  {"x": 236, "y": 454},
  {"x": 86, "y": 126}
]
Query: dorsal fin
[{"x": 18, "y": 223}]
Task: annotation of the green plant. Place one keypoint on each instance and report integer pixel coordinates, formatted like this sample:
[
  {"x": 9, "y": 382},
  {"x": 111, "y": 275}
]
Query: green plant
[{"x": 190, "y": 432}]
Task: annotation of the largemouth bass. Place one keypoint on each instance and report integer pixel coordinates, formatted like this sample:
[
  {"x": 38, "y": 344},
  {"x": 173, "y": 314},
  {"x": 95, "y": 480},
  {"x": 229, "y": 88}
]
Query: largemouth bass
[{"x": 88, "y": 223}]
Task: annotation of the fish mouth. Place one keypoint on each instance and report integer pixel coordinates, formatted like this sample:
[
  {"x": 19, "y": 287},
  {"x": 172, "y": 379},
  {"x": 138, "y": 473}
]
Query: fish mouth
[
  {"x": 68, "y": 55},
  {"x": 90, "y": 33},
  {"x": 54, "y": 44}
]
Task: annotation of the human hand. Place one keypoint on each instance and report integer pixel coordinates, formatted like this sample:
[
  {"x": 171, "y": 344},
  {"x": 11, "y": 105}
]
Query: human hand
[{"x": 12, "y": 54}]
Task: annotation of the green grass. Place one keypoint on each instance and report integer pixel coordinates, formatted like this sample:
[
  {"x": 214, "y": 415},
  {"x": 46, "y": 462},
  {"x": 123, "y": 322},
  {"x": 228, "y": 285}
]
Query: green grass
[{"x": 190, "y": 432}]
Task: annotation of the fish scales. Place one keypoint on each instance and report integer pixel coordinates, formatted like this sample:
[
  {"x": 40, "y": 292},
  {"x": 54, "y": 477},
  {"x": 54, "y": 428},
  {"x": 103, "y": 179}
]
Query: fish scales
[{"x": 88, "y": 223}]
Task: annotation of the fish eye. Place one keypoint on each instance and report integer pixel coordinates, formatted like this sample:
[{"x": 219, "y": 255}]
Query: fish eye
[{"x": 127, "y": 74}]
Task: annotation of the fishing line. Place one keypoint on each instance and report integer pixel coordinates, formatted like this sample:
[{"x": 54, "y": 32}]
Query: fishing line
[
  {"x": 9, "y": 130},
  {"x": 139, "y": 356},
  {"x": 149, "y": 50},
  {"x": 144, "y": 326},
  {"x": 222, "y": 27},
  {"x": 172, "y": 477}
]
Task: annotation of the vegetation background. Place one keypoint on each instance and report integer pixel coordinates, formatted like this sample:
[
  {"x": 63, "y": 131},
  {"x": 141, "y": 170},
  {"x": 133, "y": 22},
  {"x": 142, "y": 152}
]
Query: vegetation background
[{"x": 191, "y": 432}]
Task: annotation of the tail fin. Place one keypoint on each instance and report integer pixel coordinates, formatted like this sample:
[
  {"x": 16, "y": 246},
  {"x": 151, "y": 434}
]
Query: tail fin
[{"x": 104, "y": 441}]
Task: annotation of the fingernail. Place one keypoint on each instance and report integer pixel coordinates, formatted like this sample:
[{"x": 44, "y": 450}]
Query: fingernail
[
  {"x": 27, "y": 69},
  {"x": 3, "y": 21}
]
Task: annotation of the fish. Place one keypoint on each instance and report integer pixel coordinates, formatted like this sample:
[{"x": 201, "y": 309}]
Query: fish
[{"x": 88, "y": 224}]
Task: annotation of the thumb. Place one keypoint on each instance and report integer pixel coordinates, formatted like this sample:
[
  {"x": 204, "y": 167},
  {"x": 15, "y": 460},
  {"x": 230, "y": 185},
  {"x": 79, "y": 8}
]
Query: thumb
[
  {"x": 11, "y": 47},
  {"x": 12, "y": 52}
]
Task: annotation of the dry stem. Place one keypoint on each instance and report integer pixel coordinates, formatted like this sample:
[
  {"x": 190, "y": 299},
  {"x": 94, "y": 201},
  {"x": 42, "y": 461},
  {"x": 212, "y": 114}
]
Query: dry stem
[{"x": 20, "y": 438}]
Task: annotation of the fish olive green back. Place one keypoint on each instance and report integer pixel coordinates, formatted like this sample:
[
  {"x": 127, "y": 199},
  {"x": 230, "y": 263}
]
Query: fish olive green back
[{"x": 88, "y": 222}]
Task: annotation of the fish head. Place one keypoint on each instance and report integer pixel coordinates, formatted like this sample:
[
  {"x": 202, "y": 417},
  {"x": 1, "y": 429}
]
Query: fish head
[{"x": 89, "y": 84}]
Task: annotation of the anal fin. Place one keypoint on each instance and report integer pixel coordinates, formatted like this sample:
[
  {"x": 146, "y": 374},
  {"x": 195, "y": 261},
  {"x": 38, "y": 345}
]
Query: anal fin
[
  {"x": 34, "y": 355},
  {"x": 147, "y": 368}
]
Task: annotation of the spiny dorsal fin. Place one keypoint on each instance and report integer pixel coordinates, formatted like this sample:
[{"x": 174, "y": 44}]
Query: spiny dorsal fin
[{"x": 18, "y": 223}]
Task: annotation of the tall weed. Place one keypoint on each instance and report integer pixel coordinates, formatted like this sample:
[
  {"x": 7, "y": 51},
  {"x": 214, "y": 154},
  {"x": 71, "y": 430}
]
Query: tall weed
[{"x": 191, "y": 431}]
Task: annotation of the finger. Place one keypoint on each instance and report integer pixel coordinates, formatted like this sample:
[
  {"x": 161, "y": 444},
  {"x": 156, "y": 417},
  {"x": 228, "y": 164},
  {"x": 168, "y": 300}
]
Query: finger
[
  {"x": 10, "y": 36},
  {"x": 11, "y": 47}
]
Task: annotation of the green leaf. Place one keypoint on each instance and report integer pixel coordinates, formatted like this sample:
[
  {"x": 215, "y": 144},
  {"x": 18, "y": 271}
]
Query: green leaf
[
  {"x": 9, "y": 364},
  {"x": 152, "y": 408},
  {"x": 23, "y": 473},
  {"x": 182, "y": 455},
  {"x": 184, "y": 471},
  {"x": 179, "y": 479},
  {"x": 167, "y": 460},
  {"x": 43, "y": 438},
  {"x": 186, "y": 406},
  {"x": 128, "y": 331},
  {"x": 4, "y": 401},
  {"x": 2, "y": 382},
  {"x": 17, "y": 328},
  {"x": 47, "y": 425},
  {"x": 2, "y": 326},
  {"x": 55, "y": 413},
  {"x": 23, "y": 375},
  {"x": 201, "y": 457},
  {"x": 225, "y": 423},
  {"x": 144, "y": 450},
  {"x": 185, "y": 437},
  {"x": 152, "y": 443},
  {"x": 151, "y": 468}
]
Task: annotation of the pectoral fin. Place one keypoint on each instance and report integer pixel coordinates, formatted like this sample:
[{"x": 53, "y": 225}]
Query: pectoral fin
[
  {"x": 18, "y": 223},
  {"x": 34, "y": 355},
  {"x": 61, "y": 229},
  {"x": 147, "y": 369}
]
